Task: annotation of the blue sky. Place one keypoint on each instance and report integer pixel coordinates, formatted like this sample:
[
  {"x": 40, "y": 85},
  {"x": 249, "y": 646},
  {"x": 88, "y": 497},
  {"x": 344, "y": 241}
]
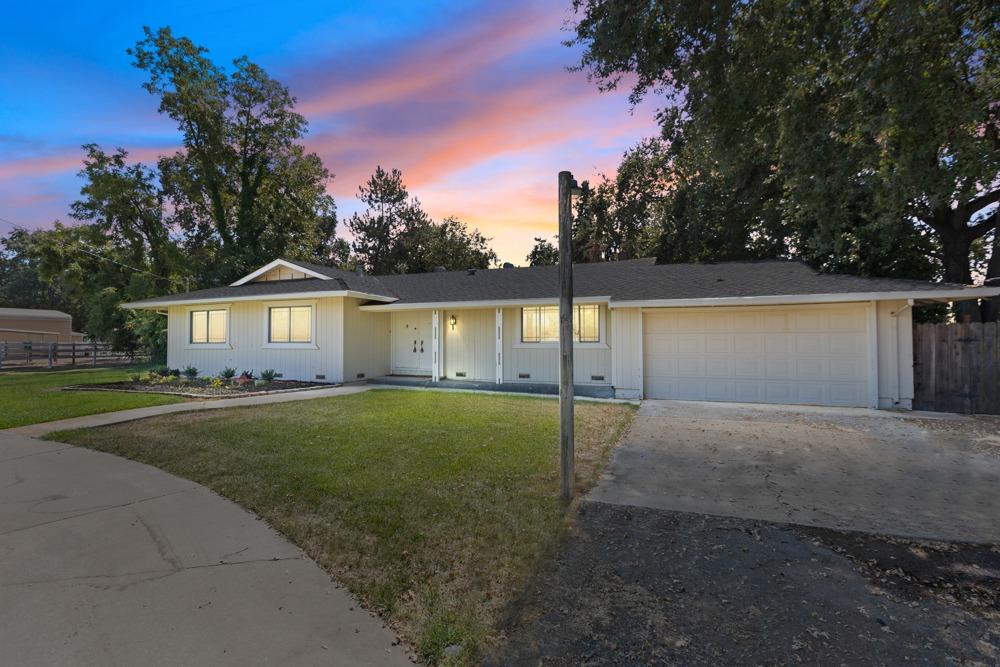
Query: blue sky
[{"x": 474, "y": 104}]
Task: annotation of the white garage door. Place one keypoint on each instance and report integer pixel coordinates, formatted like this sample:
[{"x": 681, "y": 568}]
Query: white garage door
[{"x": 814, "y": 355}]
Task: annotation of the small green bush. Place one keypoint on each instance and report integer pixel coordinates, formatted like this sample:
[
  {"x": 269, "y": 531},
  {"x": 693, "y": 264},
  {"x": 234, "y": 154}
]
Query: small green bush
[
  {"x": 227, "y": 373},
  {"x": 162, "y": 371},
  {"x": 135, "y": 377},
  {"x": 268, "y": 375},
  {"x": 190, "y": 372}
]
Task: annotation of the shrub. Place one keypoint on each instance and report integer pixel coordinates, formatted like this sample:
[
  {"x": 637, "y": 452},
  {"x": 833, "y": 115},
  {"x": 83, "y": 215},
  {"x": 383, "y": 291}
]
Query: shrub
[
  {"x": 135, "y": 377},
  {"x": 227, "y": 373},
  {"x": 268, "y": 375},
  {"x": 161, "y": 371},
  {"x": 173, "y": 372},
  {"x": 218, "y": 383},
  {"x": 246, "y": 377},
  {"x": 190, "y": 372}
]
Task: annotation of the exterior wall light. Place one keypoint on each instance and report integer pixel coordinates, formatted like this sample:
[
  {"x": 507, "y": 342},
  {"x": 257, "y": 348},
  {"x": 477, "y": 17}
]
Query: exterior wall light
[{"x": 453, "y": 321}]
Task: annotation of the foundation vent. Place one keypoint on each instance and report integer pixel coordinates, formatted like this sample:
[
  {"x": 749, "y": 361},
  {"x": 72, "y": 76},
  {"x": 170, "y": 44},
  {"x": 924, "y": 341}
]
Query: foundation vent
[
  {"x": 524, "y": 376},
  {"x": 597, "y": 378},
  {"x": 320, "y": 377}
]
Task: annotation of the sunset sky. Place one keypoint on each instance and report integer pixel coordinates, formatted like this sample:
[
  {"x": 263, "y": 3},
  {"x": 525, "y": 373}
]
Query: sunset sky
[{"x": 475, "y": 106}]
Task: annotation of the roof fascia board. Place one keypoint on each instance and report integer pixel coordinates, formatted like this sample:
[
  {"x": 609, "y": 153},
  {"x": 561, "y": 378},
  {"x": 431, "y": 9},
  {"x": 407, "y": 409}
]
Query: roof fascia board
[
  {"x": 466, "y": 305},
  {"x": 286, "y": 296},
  {"x": 276, "y": 263},
  {"x": 792, "y": 299}
]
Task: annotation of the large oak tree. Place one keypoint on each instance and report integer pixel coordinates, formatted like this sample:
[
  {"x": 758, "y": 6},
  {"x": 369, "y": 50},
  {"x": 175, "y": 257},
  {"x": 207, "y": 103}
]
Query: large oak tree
[{"x": 860, "y": 135}]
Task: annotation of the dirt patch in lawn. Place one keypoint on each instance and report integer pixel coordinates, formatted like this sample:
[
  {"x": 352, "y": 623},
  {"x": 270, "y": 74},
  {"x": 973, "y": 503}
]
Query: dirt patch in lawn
[{"x": 645, "y": 586}]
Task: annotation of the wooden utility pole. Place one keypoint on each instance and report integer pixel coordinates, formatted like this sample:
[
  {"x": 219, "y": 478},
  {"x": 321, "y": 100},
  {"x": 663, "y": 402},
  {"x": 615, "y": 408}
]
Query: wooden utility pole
[{"x": 567, "y": 187}]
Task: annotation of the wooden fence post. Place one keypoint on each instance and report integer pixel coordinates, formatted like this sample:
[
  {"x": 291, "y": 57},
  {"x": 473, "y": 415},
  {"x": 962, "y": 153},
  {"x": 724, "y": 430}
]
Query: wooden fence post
[
  {"x": 94, "y": 355},
  {"x": 3, "y": 352},
  {"x": 51, "y": 351}
]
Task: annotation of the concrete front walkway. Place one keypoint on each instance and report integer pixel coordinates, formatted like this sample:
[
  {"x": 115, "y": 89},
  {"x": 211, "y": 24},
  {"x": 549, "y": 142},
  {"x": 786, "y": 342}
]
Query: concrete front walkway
[
  {"x": 918, "y": 475},
  {"x": 104, "y": 561}
]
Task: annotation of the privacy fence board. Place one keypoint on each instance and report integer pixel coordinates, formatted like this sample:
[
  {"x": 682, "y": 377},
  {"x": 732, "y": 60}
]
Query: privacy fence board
[{"x": 956, "y": 367}]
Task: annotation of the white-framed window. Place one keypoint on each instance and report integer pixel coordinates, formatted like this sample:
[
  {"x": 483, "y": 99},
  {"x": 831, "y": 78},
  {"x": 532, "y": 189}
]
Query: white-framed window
[
  {"x": 290, "y": 324},
  {"x": 208, "y": 326},
  {"x": 540, "y": 324}
]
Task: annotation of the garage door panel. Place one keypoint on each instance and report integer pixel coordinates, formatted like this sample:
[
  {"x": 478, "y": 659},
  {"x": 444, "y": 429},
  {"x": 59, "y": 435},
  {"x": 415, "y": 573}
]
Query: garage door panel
[
  {"x": 802, "y": 354},
  {"x": 776, "y": 344},
  {"x": 808, "y": 343},
  {"x": 690, "y": 367},
  {"x": 747, "y": 343},
  {"x": 810, "y": 368},
  {"x": 719, "y": 367},
  {"x": 719, "y": 390},
  {"x": 752, "y": 367},
  {"x": 848, "y": 344}
]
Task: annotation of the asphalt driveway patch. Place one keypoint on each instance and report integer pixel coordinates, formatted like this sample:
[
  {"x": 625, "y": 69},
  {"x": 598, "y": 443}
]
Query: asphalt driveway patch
[{"x": 637, "y": 585}]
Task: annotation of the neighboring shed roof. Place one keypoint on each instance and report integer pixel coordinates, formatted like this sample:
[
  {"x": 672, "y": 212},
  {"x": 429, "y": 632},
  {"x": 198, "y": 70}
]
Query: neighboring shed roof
[
  {"x": 33, "y": 313},
  {"x": 626, "y": 281}
]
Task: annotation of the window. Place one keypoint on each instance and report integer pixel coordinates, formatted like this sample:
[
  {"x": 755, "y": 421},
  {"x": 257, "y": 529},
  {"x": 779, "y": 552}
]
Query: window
[
  {"x": 290, "y": 324},
  {"x": 541, "y": 324},
  {"x": 208, "y": 326}
]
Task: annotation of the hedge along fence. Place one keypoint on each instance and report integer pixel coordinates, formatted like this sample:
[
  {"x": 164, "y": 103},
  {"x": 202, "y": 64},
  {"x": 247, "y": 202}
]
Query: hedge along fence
[{"x": 956, "y": 367}]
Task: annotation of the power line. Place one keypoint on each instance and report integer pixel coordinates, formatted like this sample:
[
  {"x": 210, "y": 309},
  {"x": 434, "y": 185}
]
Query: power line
[{"x": 90, "y": 251}]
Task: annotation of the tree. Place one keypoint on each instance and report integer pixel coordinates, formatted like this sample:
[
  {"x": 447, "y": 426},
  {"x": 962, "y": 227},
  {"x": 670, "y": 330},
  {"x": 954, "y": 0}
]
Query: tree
[
  {"x": 377, "y": 230},
  {"x": 395, "y": 235},
  {"x": 242, "y": 189},
  {"x": 840, "y": 129},
  {"x": 543, "y": 253}
]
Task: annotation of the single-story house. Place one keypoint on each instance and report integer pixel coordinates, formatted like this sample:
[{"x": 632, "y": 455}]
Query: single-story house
[
  {"x": 35, "y": 325},
  {"x": 758, "y": 331}
]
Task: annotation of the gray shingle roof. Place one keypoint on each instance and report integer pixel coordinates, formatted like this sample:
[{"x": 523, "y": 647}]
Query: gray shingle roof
[{"x": 632, "y": 280}]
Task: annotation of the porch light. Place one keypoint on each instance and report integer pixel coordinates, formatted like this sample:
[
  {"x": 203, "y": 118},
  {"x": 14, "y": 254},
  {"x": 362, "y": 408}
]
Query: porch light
[{"x": 453, "y": 321}]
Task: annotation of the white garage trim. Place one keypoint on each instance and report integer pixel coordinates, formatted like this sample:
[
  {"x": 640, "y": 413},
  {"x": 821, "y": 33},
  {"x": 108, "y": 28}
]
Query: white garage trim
[{"x": 872, "y": 355}]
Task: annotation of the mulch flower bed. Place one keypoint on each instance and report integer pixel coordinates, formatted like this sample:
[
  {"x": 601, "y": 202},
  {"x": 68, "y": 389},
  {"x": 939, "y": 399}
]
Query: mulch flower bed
[{"x": 200, "y": 387}]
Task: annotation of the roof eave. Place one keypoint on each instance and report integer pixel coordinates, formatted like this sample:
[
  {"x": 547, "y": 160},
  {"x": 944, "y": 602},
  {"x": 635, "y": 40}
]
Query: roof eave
[
  {"x": 154, "y": 304},
  {"x": 486, "y": 303},
  {"x": 961, "y": 294}
]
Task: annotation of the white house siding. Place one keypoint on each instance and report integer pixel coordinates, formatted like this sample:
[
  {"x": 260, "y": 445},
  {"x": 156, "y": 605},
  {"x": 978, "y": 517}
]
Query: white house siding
[
  {"x": 541, "y": 361},
  {"x": 626, "y": 353},
  {"x": 895, "y": 354},
  {"x": 248, "y": 336},
  {"x": 366, "y": 342},
  {"x": 470, "y": 347}
]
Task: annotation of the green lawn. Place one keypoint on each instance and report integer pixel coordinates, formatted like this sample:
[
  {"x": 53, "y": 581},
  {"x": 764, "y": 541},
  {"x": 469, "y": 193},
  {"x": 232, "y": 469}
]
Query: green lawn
[
  {"x": 30, "y": 397},
  {"x": 433, "y": 508}
]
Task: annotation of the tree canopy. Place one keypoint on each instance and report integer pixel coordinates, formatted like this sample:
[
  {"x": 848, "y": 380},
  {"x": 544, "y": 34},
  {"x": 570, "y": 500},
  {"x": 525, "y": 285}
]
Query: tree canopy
[
  {"x": 861, "y": 136},
  {"x": 394, "y": 234}
]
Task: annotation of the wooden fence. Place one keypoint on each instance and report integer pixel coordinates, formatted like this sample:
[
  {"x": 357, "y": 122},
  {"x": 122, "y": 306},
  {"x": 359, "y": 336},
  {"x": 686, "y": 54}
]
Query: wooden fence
[
  {"x": 51, "y": 355},
  {"x": 956, "y": 367}
]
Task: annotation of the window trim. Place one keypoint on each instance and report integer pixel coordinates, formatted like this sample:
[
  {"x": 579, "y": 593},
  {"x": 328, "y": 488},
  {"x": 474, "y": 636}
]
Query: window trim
[
  {"x": 267, "y": 344},
  {"x": 189, "y": 344},
  {"x": 601, "y": 343}
]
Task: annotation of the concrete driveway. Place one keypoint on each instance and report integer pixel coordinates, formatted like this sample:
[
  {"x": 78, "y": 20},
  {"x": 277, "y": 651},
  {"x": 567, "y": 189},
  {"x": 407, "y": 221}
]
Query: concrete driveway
[
  {"x": 105, "y": 561},
  {"x": 922, "y": 475}
]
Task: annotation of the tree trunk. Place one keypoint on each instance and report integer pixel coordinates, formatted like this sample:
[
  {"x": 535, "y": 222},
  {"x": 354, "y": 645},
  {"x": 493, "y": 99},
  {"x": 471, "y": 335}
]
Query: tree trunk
[
  {"x": 991, "y": 307},
  {"x": 955, "y": 249}
]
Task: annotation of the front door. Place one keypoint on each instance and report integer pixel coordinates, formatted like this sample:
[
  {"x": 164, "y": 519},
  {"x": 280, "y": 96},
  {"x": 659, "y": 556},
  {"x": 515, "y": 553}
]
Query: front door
[{"x": 411, "y": 335}]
